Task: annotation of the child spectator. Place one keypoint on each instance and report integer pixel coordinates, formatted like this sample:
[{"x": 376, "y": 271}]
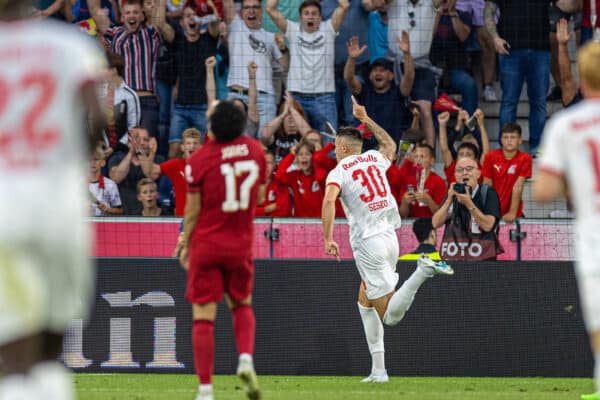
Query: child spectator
[
  {"x": 103, "y": 190},
  {"x": 306, "y": 180},
  {"x": 277, "y": 196},
  {"x": 174, "y": 168},
  {"x": 506, "y": 170},
  {"x": 422, "y": 192},
  {"x": 147, "y": 194}
]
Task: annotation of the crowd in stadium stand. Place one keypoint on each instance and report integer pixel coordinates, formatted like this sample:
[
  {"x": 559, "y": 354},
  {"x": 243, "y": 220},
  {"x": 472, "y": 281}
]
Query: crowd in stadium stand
[{"x": 294, "y": 65}]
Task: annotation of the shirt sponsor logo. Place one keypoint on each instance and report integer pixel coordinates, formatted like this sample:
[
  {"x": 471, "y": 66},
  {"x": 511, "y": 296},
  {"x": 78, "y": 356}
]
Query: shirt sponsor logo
[{"x": 359, "y": 159}]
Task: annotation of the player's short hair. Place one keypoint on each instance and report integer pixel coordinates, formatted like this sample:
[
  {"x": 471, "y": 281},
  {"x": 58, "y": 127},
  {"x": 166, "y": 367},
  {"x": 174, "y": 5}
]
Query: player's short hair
[
  {"x": 422, "y": 228},
  {"x": 511, "y": 127},
  {"x": 227, "y": 121},
  {"x": 588, "y": 59},
  {"x": 428, "y": 147},
  {"x": 349, "y": 132},
  {"x": 143, "y": 182},
  {"x": 309, "y": 3},
  {"x": 470, "y": 146},
  {"x": 191, "y": 133},
  {"x": 115, "y": 61}
]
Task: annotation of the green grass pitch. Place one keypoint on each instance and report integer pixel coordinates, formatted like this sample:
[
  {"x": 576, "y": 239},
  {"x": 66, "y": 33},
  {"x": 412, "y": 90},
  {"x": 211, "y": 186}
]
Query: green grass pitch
[{"x": 184, "y": 387}]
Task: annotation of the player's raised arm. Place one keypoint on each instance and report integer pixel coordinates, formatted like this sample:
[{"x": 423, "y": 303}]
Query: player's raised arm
[{"x": 387, "y": 146}]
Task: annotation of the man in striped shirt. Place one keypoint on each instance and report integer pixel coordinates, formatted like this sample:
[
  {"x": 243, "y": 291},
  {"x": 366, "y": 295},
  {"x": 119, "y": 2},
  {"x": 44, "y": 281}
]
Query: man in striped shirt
[{"x": 138, "y": 43}]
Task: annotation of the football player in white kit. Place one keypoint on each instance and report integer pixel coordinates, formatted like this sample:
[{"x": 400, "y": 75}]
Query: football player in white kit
[
  {"x": 373, "y": 217},
  {"x": 48, "y": 72},
  {"x": 571, "y": 159}
]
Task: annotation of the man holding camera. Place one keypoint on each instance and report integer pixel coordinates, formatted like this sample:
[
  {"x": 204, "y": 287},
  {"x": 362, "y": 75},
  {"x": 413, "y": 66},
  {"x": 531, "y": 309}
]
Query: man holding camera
[{"x": 471, "y": 213}]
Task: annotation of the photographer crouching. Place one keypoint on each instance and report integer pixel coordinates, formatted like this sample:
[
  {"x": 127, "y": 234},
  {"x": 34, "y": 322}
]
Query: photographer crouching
[{"x": 470, "y": 213}]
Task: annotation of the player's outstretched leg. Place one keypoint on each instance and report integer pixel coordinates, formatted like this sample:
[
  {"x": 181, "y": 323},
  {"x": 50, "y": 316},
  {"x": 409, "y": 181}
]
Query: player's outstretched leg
[
  {"x": 403, "y": 298},
  {"x": 245, "y": 371},
  {"x": 374, "y": 334}
]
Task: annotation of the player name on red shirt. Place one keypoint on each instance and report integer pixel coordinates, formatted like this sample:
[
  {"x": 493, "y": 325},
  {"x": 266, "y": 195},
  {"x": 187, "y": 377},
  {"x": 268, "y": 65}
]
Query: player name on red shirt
[{"x": 238, "y": 150}]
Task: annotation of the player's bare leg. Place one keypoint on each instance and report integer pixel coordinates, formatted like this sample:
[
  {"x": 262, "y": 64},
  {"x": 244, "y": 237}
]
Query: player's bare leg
[
  {"x": 403, "y": 298},
  {"x": 595, "y": 342},
  {"x": 244, "y": 328},
  {"x": 371, "y": 312},
  {"x": 203, "y": 344}
]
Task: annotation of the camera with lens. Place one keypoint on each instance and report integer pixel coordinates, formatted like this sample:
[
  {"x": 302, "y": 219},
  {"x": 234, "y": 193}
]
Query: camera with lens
[{"x": 460, "y": 187}]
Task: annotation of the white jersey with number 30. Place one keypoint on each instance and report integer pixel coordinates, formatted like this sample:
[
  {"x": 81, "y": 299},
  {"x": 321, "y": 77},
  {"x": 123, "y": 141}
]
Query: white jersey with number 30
[
  {"x": 368, "y": 202},
  {"x": 43, "y": 66}
]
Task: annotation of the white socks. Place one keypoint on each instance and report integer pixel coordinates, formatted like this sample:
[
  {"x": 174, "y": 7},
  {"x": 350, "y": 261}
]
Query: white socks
[
  {"x": 48, "y": 380},
  {"x": 18, "y": 387},
  {"x": 403, "y": 298},
  {"x": 374, "y": 334},
  {"x": 205, "y": 392},
  {"x": 53, "y": 380}
]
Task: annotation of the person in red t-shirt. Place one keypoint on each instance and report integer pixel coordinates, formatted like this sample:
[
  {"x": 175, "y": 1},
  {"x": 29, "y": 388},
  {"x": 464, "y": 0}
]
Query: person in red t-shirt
[
  {"x": 226, "y": 180},
  {"x": 306, "y": 179},
  {"x": 174, "y": 168},
  {"x": 506, "y": 170},
  {"x": 422, "y": 192},
  {"x": 277, "y": 198}
]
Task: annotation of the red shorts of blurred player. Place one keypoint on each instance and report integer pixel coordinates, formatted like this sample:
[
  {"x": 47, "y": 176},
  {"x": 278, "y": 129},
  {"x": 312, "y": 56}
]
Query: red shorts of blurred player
[
  {"x": 211, "y": 275},
  {"x": 201, "y": 7}
]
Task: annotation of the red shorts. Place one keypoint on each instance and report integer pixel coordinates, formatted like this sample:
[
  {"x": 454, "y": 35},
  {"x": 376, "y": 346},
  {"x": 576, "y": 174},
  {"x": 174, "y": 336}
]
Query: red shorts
[{"x": 211, "y": 275}]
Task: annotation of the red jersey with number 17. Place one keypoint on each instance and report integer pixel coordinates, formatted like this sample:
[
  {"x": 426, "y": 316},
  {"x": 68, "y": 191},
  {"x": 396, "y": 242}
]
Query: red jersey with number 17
[{"x": 227, "y": 176}]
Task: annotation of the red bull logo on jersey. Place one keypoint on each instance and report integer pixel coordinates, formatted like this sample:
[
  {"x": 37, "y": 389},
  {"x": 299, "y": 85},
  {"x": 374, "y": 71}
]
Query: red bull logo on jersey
[{"x": 359, "y": 159}]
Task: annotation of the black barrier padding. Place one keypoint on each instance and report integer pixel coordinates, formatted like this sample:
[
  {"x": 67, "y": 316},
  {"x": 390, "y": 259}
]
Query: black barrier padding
[{"x": 489, "y": 319}]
